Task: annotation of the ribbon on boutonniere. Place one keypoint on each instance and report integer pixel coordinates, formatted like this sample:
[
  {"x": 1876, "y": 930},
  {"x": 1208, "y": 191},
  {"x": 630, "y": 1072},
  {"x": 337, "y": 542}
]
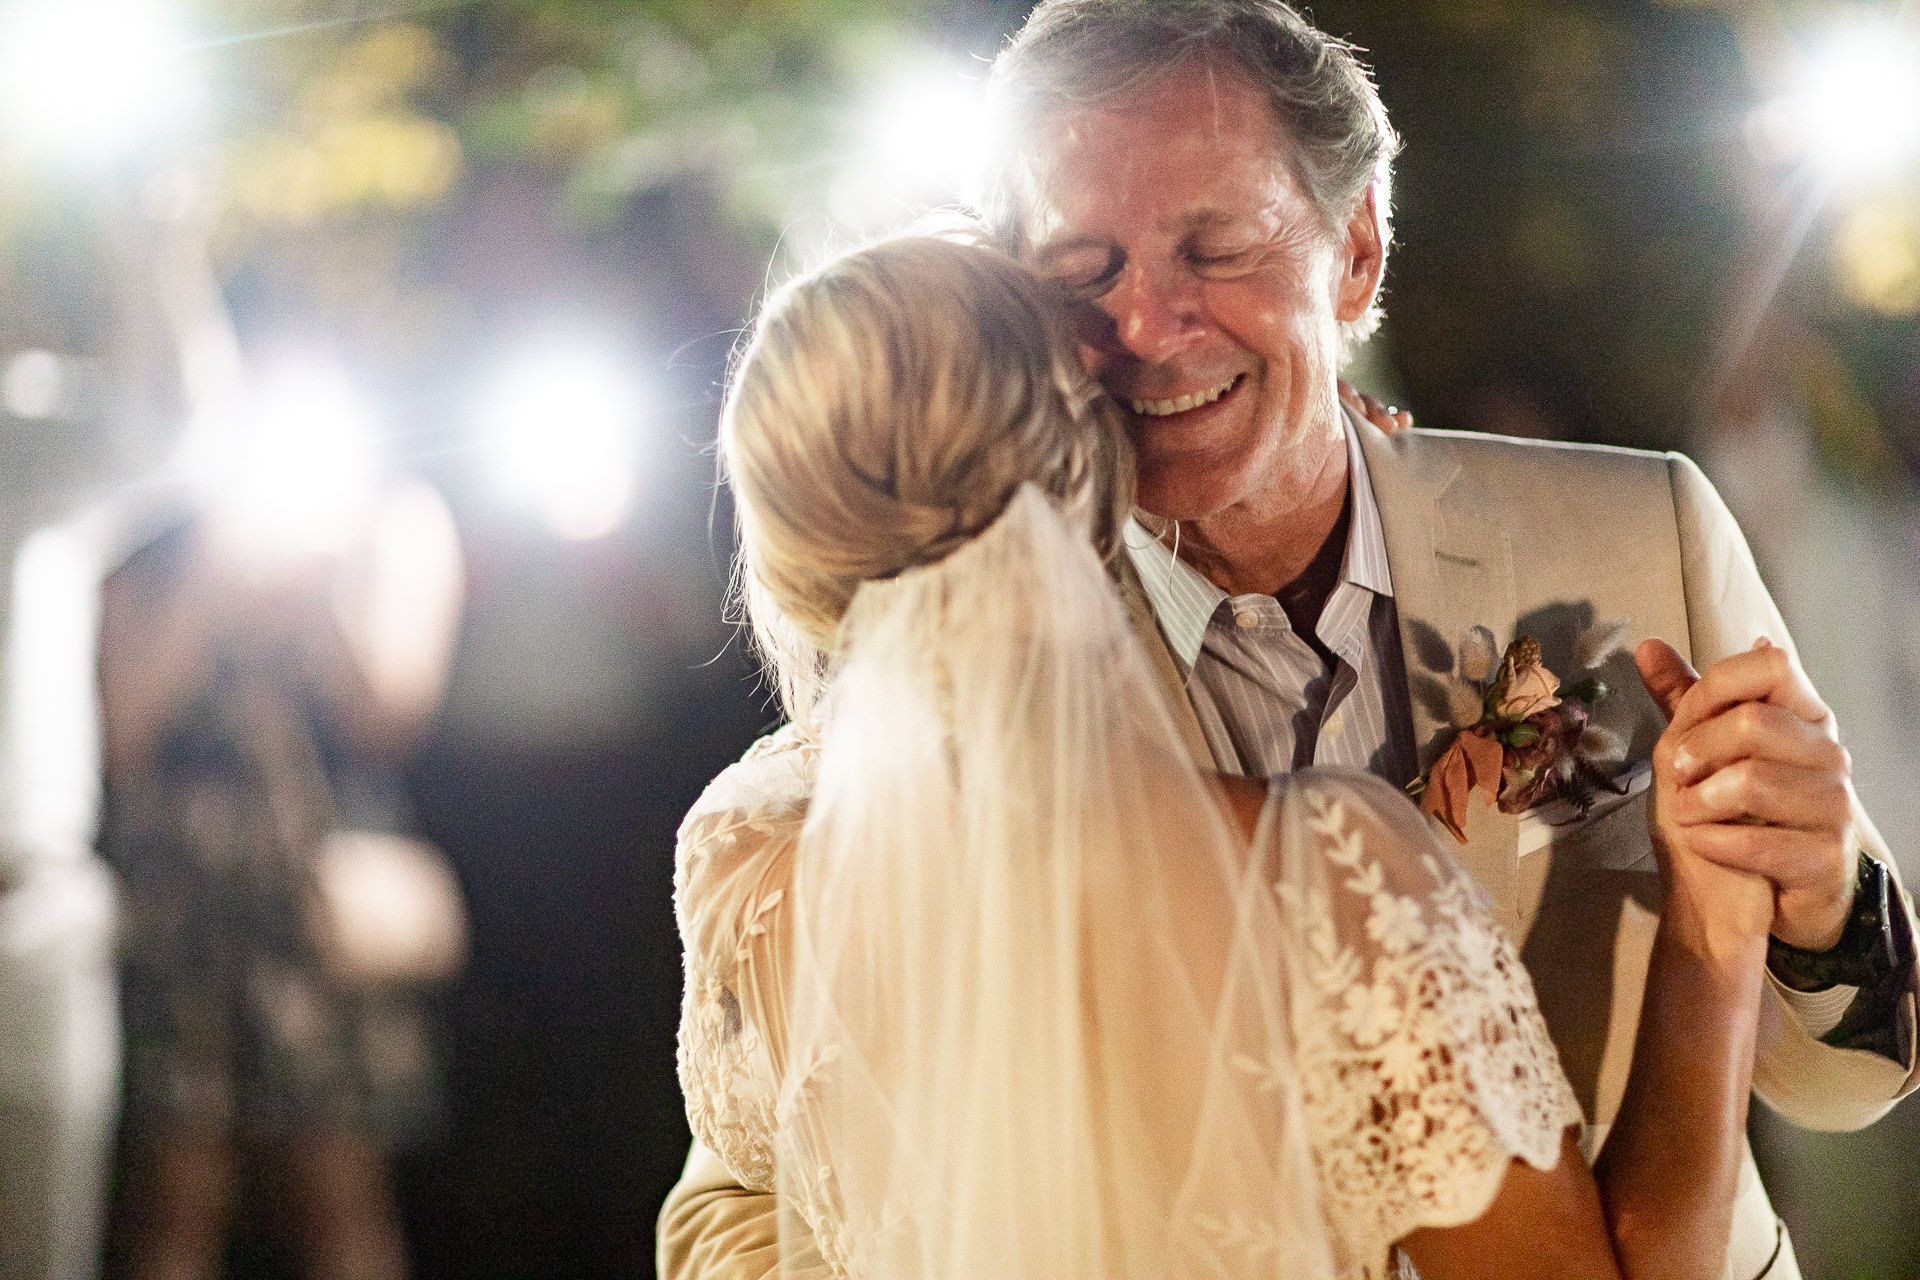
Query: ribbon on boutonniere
[{"x": 1523, "y": 737}]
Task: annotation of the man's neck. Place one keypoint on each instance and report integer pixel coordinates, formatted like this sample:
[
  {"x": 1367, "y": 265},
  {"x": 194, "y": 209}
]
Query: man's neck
[{"x": 1267, "y": 545}]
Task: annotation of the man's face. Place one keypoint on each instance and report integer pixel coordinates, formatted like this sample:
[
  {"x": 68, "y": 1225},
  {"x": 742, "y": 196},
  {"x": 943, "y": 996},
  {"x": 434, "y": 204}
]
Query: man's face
[{"x": 1210, "y": 288}]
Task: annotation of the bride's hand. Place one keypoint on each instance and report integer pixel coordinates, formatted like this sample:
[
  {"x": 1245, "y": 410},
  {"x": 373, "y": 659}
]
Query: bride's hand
[
  {"x": 1383, "y": 416},
  {"x": 1718, "y": 912}
]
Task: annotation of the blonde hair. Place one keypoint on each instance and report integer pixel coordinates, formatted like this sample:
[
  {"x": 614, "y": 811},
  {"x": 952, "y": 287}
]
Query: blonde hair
[{"x": 885, "y": 410}]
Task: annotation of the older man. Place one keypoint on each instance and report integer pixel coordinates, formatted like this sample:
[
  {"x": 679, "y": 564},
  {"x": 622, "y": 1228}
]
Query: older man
[{"x": 1209, "y": 178}]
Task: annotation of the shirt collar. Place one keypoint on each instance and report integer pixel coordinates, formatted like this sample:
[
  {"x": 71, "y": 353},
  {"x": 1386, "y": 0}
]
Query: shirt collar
[{"x": 1184, "y": 600}]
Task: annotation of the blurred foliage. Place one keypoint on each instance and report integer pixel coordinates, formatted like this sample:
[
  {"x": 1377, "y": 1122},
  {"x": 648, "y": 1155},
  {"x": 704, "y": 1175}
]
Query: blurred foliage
[
  {"x": 609, "y": 97},
  {"x": 338, "y": 134},
  {"x": 621, "y": 97},
  {"x": 352, "y": 138}
]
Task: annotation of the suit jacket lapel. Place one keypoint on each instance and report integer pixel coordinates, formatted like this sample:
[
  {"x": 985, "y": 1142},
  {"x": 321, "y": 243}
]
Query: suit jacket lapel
[{"x": 1452, "y": 565}]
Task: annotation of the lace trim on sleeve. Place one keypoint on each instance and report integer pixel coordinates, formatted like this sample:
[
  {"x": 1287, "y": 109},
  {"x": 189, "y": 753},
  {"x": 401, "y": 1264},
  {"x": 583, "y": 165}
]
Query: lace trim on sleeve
[{"x": 1425, "y": 1064}]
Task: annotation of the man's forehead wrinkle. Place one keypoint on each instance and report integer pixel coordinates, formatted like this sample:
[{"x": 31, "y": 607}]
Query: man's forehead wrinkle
[
  {"x": 1210, "y": 219},
  {"x": 1194, "y": 154},
  {"x": 1213, "y": 96}
]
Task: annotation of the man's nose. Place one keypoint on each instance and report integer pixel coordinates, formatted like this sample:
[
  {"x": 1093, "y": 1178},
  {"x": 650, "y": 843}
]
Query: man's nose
[{"x": 1155, "y": 314}]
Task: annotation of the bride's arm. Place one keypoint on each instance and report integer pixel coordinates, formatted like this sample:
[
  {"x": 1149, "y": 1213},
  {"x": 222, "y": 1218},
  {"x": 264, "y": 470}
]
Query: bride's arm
[
  {"x": 1671, "y": 1165},
  {"x": 1669, "y": 1170},
  {"x": 1662, "y": 1194},
  {"x": 1664, "y": 1187}
]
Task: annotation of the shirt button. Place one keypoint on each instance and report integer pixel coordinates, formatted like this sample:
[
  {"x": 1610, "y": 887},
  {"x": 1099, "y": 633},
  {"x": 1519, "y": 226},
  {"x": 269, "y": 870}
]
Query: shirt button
[
  {"x": 1246, "y": 621},
  {"x": 1335, "y": 725}
]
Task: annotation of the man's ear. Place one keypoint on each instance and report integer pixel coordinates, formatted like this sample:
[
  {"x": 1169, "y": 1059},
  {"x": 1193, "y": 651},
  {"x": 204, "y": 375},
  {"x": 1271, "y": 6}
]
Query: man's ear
[{"x": 1363, "y": 257}]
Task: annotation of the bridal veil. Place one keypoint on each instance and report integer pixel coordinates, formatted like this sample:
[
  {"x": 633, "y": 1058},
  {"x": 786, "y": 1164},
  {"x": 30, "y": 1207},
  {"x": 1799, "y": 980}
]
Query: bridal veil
[{"x": 1022, "y": 993}]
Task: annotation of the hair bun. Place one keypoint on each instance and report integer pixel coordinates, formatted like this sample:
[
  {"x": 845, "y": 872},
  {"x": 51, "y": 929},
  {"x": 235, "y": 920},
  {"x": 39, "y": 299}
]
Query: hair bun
[{"x": 886, "y": 410}]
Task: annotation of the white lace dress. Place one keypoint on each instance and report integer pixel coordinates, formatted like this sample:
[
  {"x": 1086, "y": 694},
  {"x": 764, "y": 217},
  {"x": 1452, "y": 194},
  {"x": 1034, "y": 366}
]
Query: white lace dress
[{"x": 1424, "y": 1066}]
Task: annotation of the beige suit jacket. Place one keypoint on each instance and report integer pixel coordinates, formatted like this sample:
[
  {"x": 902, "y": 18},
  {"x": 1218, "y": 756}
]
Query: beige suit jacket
[{"x": 1543, "y": 540}]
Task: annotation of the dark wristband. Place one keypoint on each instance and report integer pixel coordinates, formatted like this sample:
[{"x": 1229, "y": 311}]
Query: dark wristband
[{"x": 1865, "y": 954}]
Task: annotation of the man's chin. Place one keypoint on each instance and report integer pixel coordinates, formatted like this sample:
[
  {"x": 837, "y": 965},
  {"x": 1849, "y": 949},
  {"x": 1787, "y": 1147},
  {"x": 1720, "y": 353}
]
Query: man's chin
[{"x": 1177, "y": 490}]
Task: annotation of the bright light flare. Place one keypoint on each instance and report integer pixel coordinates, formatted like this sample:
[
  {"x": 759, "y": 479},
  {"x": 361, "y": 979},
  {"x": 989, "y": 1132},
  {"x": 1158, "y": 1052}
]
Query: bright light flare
[
  {"x": 559, "y": 431},
  {"x": 923, "y": 138},
  {"x": 87, "y": 78},
  {"x": 931, "y": 128},
  {"x": 295, "y": 472},
  {"x": 1856, "y": 112}
]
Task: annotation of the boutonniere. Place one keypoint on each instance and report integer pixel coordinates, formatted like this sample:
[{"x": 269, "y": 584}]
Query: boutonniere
[{"x": 1523, "y": 737}]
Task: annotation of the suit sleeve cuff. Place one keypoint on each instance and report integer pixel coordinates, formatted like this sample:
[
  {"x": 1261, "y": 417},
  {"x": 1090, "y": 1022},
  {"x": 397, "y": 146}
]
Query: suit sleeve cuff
[{"x": 1818, "y": 1012}]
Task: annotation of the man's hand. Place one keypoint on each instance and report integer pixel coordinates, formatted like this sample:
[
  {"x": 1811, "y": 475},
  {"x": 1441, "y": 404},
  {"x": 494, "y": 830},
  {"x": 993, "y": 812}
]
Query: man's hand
[
  {"x": 1383, "y": 416},
  {"x": 1750, "y": 775}
]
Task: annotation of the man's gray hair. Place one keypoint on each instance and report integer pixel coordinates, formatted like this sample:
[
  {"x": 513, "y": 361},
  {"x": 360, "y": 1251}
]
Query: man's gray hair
[{"x": 1076, "y": 54}]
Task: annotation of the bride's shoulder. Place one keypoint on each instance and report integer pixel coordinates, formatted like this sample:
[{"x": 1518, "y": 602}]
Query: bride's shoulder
[
  {"x": 1338, "y": 804},
  {"x": 1356, "y": 851},
  {"x": 752, "y": 811},
  {"x": 734, "y": 846},
  {"x": 768, "y": 786}
]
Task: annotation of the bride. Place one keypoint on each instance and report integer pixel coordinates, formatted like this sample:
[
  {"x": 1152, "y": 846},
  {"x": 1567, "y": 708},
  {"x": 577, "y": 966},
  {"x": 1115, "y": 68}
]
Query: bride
[{"x": 988, "y": 978}]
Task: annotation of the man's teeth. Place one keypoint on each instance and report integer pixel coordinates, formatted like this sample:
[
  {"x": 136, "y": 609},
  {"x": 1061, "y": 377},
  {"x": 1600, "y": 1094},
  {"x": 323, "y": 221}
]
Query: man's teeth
[{"x": 1180, "y": 404}]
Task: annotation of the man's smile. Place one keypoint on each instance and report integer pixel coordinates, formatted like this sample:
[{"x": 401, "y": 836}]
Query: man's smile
[{"x": 1186, "y": 403}]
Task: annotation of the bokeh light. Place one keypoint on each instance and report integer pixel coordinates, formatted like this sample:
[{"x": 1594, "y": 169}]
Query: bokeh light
[
  {"x": 1856, "y": 112},
  {"x": 558, "y": 427},
  {"x": 49, "y": 670},
  {"x": 931, "y": 127},
  {"x": 923, "y": 139},
  {"x": 292, "y": 471},
  {"x": 88, "y": 78},
  {"x": 1876, "y": 257}
]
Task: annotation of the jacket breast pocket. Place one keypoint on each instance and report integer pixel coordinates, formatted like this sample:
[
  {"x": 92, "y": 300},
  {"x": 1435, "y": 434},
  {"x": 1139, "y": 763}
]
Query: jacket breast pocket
[{"x": 1611, "y": 836}]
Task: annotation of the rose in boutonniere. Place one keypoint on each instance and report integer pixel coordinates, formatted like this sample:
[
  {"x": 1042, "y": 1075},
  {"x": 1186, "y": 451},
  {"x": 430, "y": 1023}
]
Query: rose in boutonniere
[
  {"x": 1533, "y": 741},
  {"x": 1525, "y": 687}
]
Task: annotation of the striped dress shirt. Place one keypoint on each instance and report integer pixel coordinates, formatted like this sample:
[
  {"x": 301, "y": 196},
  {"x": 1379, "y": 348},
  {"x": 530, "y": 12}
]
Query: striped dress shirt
[{"x": 1267, "y": 702}]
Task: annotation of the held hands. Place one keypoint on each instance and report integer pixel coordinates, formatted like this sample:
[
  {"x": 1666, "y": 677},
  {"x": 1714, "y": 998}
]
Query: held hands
[{"x": 1750, "y": 780}]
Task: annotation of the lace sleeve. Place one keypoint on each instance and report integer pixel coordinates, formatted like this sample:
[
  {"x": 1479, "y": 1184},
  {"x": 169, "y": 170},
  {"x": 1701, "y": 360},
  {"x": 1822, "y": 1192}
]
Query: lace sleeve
[
  {"x": 732, "y": 869},
  {"x": 1425, "y": 1065}
]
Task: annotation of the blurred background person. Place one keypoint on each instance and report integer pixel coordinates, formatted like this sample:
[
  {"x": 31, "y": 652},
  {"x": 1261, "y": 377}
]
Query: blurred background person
[
  {"x": 258, "y": 692},
  {"x": 257, "y": 695}
]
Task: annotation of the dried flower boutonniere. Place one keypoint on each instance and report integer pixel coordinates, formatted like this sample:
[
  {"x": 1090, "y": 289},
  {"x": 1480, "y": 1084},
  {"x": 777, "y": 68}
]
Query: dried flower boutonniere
[{"x": 1524, "y": 738}]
